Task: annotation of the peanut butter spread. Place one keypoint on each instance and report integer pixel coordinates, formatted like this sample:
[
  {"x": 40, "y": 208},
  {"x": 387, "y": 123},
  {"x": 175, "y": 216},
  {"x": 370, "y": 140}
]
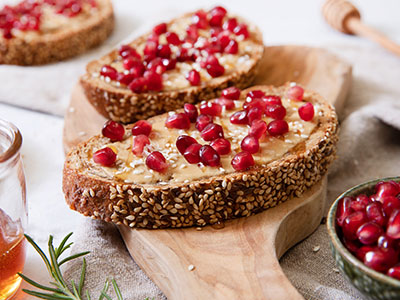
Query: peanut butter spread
[{"x": 132, "y": 169}]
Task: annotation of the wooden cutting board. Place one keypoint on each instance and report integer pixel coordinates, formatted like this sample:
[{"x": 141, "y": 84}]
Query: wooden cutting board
[{"x": 240, "y": 260}]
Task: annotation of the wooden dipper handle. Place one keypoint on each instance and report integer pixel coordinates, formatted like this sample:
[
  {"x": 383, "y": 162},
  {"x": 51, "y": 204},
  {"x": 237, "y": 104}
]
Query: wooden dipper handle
[{"x": 345, "y": 17}]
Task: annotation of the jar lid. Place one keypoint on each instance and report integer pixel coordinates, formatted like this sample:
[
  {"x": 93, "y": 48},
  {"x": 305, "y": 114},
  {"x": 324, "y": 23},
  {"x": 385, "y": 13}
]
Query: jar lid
[{"x": 11, "y": 133}]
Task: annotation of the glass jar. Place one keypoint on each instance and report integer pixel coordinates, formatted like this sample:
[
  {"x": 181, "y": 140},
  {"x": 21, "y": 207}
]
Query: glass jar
[{"x": 13, "y": 214}]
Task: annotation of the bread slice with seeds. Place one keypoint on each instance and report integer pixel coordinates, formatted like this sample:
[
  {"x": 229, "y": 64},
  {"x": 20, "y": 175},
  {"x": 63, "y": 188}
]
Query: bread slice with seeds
[
  {"x": 60, "y": 31},
  {"x": 122, "y": 91},
  {"x": 130, "y": 191}
]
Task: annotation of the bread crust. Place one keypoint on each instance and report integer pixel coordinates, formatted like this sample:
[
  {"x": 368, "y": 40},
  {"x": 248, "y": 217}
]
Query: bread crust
[
  {"x": 61, "y": 44},
  {"x": 122, "y": 105},
  {"x": 210, "y": 200}
]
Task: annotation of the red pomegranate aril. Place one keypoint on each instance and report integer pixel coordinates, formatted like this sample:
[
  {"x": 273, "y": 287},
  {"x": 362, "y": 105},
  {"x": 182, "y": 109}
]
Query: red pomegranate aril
[
  {"x": 239, "y": 117},
  {"x": 389, "y": 188},
  {"x": 250, "y": 144},
  {"x": 169, "y": 63},
  {"x": 230, "y": 24},
  {"x": 209, "y": 157},
  {"x": 191, "y": 111},
  {"x": 108, "y": 71},
  {"x": 242, "y": 161},
  {"x": 380, "y": 260},
  {"x": 393, "y": 225},
  {"x": 192, "y": 34},
  {"x": 215, "y": 70},
  {"x": 360, "y": 252},
  {"x": 193, "y": 77},
  {"x": 306, "y": 112},
  {"x": 242, "y": 30},
  {"x": 357, "y": 206},
  {"x": 138, "y": 144},
  {"x": 351, "y": 224},
  {"x": 254, "y": 114},
  {"x": 129, "y": 63},
  {"x": 200, "y": 19},
  {"x": 192, "y": 153},
  {"x": 390, "y": 204},
  {"x": 255, "y": 94},
  {"x": 343, "y": 209},
  {"x": 258, "y": 128},
  {"x": 137, "y": 71},
  {"x": 384, "y": 242},
  {"x": 211, "y": 132},
  {"x": 156, "y": 161},
  {"x": 278, "y": 127},
  {"x": 375, "y": 213},
  {"x": 222, "y": 146},
  {"x": 363, "y": 198},
  {"x": 160, "y": 28},
  {"x": 178, "y": 121},
  {"x": 352, "y": 245},
  {"x": 156, "y": 65},
  {"x": 229, "y": 104},
  {"x": 211, "y": 108},
  {"x": 217, "y": 15},
  {"x": 218, "y": 10},
  {"x": 257, "y": 102},
  {"x": 295, "y": 93},
  {"x": 138, "y": 85},
  {"x": 183, "y": 142},
  {"x": 125, "y": 79},
  {"x": 202, "y": 121},
  {"x": 272, "y": 100},
  {"x": 141, "y": 127},
  {"x": 163, "y": 51},
  {"x": 126, "y": 51},
  {"x": 232, "y": 47},
  {"x": 182, "y": 55},
  {"x": 150, "y": 49},
  {"x": 369, "y": 232},
  {"x": 172, "y": 38},
  {"x": 275, "y": 111},
  {"x": 222, "y": 40},
  {"x": 105, "y": 157},
  {"x": 153, "y": 81},
  {"x": 232, "y": 93},
  {"x": 113, "y": 130},
  {"x": 394, "y": 272}
]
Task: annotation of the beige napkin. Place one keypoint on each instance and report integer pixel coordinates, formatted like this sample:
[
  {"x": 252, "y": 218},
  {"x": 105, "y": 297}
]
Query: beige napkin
[{"x": 369, "y": 148}]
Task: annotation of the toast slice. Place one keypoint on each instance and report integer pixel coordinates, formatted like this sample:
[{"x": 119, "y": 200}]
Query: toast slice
[
  {"x": 213, "y": 57},
  {"x": 139, "y": 189},
  {"x": 54, "y": 31}
]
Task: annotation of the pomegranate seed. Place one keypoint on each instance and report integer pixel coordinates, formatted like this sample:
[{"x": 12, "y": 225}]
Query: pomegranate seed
[
  {"x": 192, "y": 34},
  {"x": 218, "y": 10},
  {"x": 343, "y": 210},
  {"x": 211, "y": 132},
  {"x": 138, "y": 144},
  {"x": 385, "y": 242},
  {"x": 389, "y": 188},
  {"x": 208, "y": 156},
  {"x": 192, "y": 153},
  {"x": 108, "y": 71},
  {"x": 250, "y": 144},
  {"x": 215, "y": 70},
  {"x": 393, "y": 225},
  {"x": 193, "y": 77},
  {"x": 153, "y": 38},
  {"x": 105, "y": 157},
  {"x": 125, "y": 79},
  {"x": 241, "y": 29},
  {"x": 230, "y": 24},
  {"x": 275, "y": 111},
  {"x": 368, "y": 233},
  {"x": 126, "y": 51},
  {"x": 169, "y": 63},
  {"x": 390, "y": 204},
  {"x": 178, "y": 121},
  {"x": 380, "y": 260},
  {"x": 163, "y": 51},
  {"x": 351, "y": 224},
  {"x": 229, "y": 104},
  {"x": 150, "y": 50},
  {"x": 222, "y": 40},
  {"x": 394, "y": 272},
  {"x": 141, "y": 127},
  {"x": 137, "y": 71},
  {"x": 360, "y": 253},
  {"x": 239, "y": 117},
  {"x": 129, "y": 63},
  {"x": 222, "y": 146},
  {"x": 191, "y": 112},
  {"x": 254, "y": 114},
  {"x": 217, "y": 15},
  {"x": 352, "y": 245},
  {"x": 306, "y": 112},
  {"x": 153, "y": 80},
  {"x": 160, "y": 28},
  {"x": 375, "y": 213},
  {"x": 156, "y": 65},
  {"x": 183, "y": 142},
  {"x": 232, "y": 93},
  {"x": 137, "y": 85},
  {"x": 278, "y": 127},
  {"x": 357, "y": 206},
  {"x": 173, "y": 38},
  {"x": 156, "y": 161},
  {"x": 255, "y": 103},
  {"x": 232, "y": 47},
  {"x": 295, "y": 93},
  {"x": 363, "y": 198},
  {"x": 258, "y": 128},
  {"x": 210, "y": 108},
  {"x": 113, "y": 130},
  {"x": 255, "y": 94},
  {"x": 272, "y": 100},
  {"x": 242, "y": 161},
  {"x": 200, "y": 19},
  {"x": 202, "y": 121}
]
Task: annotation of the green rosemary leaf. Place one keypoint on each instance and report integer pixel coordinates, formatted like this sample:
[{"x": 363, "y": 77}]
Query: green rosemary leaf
[
  {"x": 105, "y": 289},
  {"x": 116, "y": 288},
  {"x": 88, "y": 295},
  {"x": 60, "y": 248},
  {"x": 41, "y": 253},
  {"x": 74, "y": 289},
  {"x": 38, "y": 285},
  {"x": 82, "y": 278},
  {"x": 106, "y": 296},
  {"x": 73, "y": 257},
  {"x": 46, "y": 296},
  {"x": 66, "y": 247},
  {"x": 54, "y": 264}
]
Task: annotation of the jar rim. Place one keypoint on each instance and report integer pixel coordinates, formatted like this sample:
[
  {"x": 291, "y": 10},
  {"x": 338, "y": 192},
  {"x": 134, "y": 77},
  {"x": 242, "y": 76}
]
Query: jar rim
[{"x": 15, "y": 138}]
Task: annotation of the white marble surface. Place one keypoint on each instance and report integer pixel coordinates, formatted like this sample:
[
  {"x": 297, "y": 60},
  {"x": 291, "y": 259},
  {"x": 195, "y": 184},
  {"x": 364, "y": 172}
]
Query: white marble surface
[{"x": 282, "y": 22}]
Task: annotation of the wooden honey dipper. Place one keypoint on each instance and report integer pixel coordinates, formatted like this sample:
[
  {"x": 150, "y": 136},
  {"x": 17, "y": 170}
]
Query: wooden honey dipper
[{"x": 345, "y": 17}]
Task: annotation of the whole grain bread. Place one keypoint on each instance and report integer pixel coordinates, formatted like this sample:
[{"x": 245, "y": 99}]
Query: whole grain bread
[
  {"x": 122, "y": 105},
  {"x": 62, "y": 43},
  {"x": 205, "y": 200}
]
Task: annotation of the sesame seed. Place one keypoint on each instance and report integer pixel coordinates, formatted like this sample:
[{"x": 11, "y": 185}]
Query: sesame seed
[{"x": 191, "y": 267}]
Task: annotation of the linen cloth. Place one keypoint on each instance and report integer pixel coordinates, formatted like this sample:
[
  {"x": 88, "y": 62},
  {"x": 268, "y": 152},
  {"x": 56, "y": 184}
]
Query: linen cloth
[{"x": 369, "y": 148}]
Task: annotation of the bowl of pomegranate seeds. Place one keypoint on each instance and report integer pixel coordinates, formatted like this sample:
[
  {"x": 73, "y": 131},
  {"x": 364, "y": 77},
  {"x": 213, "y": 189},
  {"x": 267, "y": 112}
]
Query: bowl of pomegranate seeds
[{"x": 364, "y": 227}]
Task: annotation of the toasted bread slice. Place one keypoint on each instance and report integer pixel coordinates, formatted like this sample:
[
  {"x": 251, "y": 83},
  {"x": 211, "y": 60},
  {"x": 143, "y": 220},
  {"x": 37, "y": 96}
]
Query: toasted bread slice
[
  {"x": 123, "y": 103},
  {"x": 186, "y": 194},
  {"x": 58, "y": 36}
]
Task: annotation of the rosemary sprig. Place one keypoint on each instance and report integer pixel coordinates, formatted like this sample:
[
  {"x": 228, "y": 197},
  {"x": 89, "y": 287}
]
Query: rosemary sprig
[{"x": 59, "y": 289}]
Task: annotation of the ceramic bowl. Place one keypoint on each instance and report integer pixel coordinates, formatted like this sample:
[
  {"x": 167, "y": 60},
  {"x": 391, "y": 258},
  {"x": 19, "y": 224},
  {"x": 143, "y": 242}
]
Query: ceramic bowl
[{"x": 372, "y": 284}]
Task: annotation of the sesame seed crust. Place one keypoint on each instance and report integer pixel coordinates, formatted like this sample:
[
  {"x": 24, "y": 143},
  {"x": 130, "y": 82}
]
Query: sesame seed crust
[
  {"x": 125, "y": 106},
  {"x": 61, "y": 44},
  {"x": 209, "y": 200}
]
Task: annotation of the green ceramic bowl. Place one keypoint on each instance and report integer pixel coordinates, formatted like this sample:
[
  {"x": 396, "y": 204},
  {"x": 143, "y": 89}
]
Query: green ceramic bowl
[{"x": 372, "y": 284}]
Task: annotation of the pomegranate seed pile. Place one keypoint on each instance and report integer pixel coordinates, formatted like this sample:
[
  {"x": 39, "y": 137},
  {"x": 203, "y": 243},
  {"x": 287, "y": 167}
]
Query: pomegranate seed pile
[
  {"x": 165, "y": 50},
  {"x": 369, "y": 227},
  {"x": 213, "y": 143},
  {"x": 26, "y": 16}
]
